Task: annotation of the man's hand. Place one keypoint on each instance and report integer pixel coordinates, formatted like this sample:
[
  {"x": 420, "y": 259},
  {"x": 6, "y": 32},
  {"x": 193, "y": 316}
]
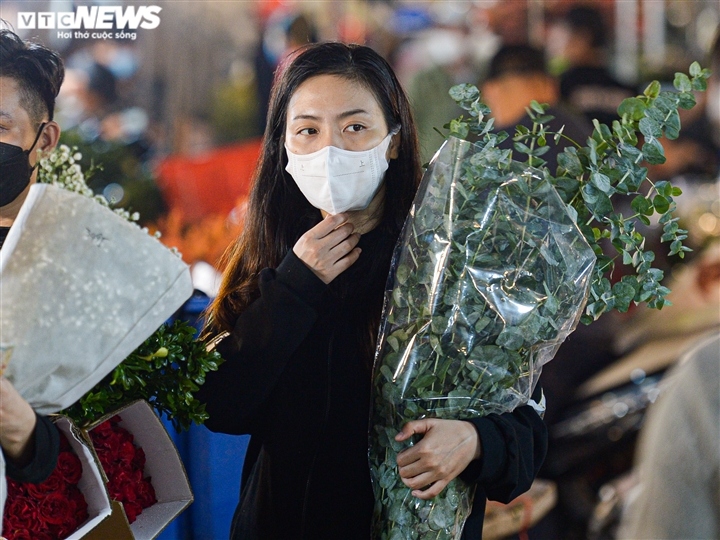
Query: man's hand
[
  {"x": 446, "y": 449},
  {"x": 17, "y": 423},
  {"x": 328, "y": 249}
]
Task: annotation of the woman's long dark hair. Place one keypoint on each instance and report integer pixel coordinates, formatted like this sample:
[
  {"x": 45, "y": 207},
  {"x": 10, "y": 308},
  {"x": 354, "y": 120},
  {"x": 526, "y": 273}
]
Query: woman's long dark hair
[{"x": 277, "y": 212}]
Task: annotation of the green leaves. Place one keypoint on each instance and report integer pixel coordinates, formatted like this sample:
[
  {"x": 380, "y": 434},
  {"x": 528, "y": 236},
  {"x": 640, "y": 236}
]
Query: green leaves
[
  {"x": 642, "y": 205},
  {"x": 696, "y": 82},
  {"x": 166, "y": 370},
  {"x": 653, "y": 90}
]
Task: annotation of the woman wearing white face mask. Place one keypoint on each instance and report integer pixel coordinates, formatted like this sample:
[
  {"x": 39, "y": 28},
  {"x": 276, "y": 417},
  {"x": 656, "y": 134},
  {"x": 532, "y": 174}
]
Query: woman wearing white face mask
[{"x": 299, "y": 308}]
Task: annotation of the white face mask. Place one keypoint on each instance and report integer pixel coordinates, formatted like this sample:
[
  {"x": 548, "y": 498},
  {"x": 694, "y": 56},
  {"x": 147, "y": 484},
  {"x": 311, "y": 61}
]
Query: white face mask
[{"x": 336, "y": 180}]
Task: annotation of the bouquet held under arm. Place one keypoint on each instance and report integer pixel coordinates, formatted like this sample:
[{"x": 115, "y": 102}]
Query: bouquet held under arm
[{"x": 497, "y": 262}]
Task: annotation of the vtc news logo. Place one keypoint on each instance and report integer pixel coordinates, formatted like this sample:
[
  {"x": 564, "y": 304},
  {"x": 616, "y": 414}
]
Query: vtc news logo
[{"x": 93, "y": 18}]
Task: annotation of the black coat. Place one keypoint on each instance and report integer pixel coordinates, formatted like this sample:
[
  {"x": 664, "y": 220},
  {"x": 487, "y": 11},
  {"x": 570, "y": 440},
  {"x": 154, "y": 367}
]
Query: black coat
[
  {"x": 298, "y": 380},
  {"x": 46, "y": 447}
]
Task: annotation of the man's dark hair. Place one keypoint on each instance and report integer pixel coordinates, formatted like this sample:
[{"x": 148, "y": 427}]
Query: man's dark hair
[
  {"x": 517, "y": 60},
  {"x": 588, "y": 20},
  {"x": 38, "y": 71}
]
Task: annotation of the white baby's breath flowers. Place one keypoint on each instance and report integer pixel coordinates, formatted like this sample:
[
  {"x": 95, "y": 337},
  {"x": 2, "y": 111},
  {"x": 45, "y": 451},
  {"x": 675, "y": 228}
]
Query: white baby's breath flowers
[{"x": 59, "y": 168}]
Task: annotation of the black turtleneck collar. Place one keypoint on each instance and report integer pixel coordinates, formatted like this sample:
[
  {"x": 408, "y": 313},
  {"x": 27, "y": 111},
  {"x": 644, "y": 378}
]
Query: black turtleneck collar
[{"x": 3, "y": 235}]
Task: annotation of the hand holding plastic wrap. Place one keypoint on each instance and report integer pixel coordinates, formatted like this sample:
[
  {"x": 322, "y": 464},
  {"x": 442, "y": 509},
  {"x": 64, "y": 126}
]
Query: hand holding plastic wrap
[
  {"x": 490, "y": 276},
  {"x": 82, "y": 288}
]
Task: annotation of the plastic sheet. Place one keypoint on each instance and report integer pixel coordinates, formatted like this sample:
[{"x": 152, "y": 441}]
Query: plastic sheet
[{"x": 82, "y": 288}]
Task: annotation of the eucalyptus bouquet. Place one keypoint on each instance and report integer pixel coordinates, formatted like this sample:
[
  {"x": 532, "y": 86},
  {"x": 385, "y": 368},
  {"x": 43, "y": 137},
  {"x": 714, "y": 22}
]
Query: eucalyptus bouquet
[{"x": 497, "y": 262}]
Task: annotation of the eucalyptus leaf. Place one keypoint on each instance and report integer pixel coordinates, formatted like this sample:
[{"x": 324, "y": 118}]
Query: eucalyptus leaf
[{"x": 633, "y": 108}]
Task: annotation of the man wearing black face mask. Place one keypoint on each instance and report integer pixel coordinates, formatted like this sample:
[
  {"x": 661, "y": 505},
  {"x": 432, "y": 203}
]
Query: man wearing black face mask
[{"x": 30, "y": 79}]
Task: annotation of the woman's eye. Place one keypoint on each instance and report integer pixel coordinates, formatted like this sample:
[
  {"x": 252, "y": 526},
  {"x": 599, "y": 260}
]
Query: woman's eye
[
  {"x": 356, "y": 127},
  {"x": 308, "y": 131}
]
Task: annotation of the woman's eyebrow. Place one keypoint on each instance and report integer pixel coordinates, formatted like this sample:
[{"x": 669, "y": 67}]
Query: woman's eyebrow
[
  {"x": 352, "y": 112},
  {"x": 340, "y": 116},
  {"x": 305, "y": 117}
]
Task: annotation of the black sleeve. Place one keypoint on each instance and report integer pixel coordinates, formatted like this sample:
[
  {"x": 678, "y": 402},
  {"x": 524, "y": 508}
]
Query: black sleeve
[
  {"x": 44, "y": 459},
  {"x": 513, "y": 445},
  {"x": 256, "y": 352}
]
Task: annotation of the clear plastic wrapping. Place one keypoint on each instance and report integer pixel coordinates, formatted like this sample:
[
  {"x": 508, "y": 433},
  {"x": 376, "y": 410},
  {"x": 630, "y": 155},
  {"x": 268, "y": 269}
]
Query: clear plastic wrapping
[{"x": 490, "y": 275}]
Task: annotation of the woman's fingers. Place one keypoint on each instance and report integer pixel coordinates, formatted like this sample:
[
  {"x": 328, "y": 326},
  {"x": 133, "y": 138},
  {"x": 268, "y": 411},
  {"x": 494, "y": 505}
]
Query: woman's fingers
[
  {"x": 329, "y": 248},
  {"x": 420, "y": 481},
  {"x": 431, "y": 491},
  {"x": 328, "y": 225},
  {"x": 447, "y": 447}
]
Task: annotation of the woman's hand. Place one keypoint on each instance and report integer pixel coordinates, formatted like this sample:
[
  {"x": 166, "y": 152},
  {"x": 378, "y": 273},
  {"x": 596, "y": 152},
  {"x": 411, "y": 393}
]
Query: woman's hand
[
  {"x": 17, "y": 423},
  {"x": 446, "y": 449},
  {"x": 328, "y": 249}
]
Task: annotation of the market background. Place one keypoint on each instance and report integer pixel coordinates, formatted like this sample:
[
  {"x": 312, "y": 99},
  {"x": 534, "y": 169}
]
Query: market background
[{"x": 175, "y": 114}]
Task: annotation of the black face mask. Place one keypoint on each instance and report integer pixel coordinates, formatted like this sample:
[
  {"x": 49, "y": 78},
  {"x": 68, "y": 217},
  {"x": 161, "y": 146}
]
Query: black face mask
[{"x": 15, "y": 169}]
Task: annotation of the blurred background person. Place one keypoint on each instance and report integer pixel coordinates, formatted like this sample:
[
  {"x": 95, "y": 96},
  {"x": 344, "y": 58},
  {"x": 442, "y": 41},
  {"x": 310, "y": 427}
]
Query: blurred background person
[
  {"x": 447, "y": 51},
  {"x": 578, "y": 42},
  {"x": 679, "y": 453},
  {"x": 516, "y": 76},
  {"x": 680, "y": 498},
  {"x": 284, "y": 31}
]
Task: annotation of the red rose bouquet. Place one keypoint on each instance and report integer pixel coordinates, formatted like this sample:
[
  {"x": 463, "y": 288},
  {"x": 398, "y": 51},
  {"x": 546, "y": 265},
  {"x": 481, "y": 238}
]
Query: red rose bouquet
[
  {"x": 52, "y": 509},
  {"x": 124, "y": 464}
]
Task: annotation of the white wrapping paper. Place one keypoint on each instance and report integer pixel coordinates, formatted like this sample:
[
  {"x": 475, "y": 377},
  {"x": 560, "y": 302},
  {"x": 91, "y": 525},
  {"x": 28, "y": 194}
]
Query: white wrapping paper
[{"x": 80, "y": 289}]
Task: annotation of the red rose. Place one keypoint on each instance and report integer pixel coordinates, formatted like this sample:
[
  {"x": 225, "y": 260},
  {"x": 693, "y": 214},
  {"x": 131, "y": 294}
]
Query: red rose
[
  {"x": 69, "y": 467},
  {"x": 53, "y": 484},
  {"x": 126, "y": 452},
  {"x": 123, "y": 464},
  {"x": 21, "y": 514},
  {"x": 123, "y": 484},
  {"x": 46, "y": 535},
  {"x": 79, "y": 505},
  {"x": 55, "y": 508},
  {"x": 146, "y": 493},
  {"x": 132, "y": 510},
  {"x": 14, "y": 489},
  {"x": 19, "y": 534},
  {"x": 138, "y": 461},
  {"x": 62, "y": 530}
]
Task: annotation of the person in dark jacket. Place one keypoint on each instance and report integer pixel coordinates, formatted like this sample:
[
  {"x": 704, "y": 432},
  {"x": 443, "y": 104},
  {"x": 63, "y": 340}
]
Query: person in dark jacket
[
  {"x": 299, "y": 308},
  {"x": 30, "y": 79},
  {"x": 516, "y": 76},
  {"x": 587, "y": 85}
]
